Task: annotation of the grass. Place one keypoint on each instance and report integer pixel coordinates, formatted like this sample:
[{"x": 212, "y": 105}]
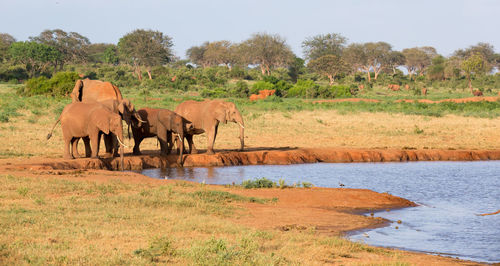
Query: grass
[
  {"x": 27, "y": 120},
  {"x": 68, "y": 219}
]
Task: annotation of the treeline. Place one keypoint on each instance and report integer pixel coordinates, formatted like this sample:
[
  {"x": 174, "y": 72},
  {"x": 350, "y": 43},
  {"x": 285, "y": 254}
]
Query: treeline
[{"x": 331, "y": 67}]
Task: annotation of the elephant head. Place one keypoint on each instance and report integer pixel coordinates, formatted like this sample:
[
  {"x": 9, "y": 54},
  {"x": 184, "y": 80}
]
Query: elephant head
[
  {"x": 227, "y": 111},
  {"x": 170, "y": 121},
  {"x": 127, "y": 110},
  {"x": 107, "y": 122}
]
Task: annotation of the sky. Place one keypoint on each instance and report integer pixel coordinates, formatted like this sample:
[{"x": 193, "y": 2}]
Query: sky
[{"x": 447, "y": 25}]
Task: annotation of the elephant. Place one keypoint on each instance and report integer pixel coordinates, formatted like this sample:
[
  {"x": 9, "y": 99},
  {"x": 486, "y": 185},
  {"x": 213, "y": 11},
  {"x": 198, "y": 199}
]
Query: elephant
[
  {"x": 87, "y": 90},
  {"x": 206, "y": 117},
  {"x": 161, "y": 123},
  {"x": 89, "y": 121}
]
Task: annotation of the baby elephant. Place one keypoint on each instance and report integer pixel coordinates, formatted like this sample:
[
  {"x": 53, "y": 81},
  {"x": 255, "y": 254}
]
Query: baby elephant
[
  {"x": 161, "y": 123},
  {"x": 88, "y": 120}
]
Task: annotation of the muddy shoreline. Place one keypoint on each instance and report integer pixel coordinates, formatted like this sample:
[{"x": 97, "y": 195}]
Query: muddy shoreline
[{"x": 262, "y": 156}]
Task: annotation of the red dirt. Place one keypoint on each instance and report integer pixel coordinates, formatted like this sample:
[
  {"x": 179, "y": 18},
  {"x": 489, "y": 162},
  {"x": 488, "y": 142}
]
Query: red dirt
[
  {"x": 354, "y": 100},
  {"x": 460, "y": 100},
  {"x": 281, "y": 156}
]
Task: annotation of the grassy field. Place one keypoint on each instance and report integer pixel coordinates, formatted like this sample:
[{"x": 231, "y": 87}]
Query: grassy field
[
  {"x": 25, "y": 122},
  {"x": 70, "y": 219}
]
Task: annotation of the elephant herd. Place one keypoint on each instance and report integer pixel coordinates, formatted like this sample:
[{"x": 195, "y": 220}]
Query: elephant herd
[{"x": 98, "y": 108}]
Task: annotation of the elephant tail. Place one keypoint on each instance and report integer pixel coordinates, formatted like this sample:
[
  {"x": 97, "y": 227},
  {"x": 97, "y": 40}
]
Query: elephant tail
[{"x": 50, "y": 133}]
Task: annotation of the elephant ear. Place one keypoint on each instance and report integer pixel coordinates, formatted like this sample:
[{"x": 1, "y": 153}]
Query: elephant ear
[
  {"x": 76, "y": 94},
  {"x": 101, "y": 121},
  {"x": 121, "y": 107},
  {"x": 221, "y": 113}
]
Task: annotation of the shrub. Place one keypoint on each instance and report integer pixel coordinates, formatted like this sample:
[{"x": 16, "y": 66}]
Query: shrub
[
  {"x": 261, "y": 85},
  {"x": 340, "y": 91},
  {"x": 258, "y": 183},
  {"x": 303, "y": 88},
  {"x": 60, "y": 84},
  {"x": 240, "y": 90}
]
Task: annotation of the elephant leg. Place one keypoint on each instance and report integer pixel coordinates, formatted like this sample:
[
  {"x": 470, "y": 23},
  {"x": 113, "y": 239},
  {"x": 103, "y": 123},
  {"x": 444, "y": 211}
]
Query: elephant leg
[
  {"x": 137, "y": 143},
  {"x": 115, "y": 146},
  {"x": 211, "y": 140},
  {"x": 74, "y": 145},
  {"x": 108, "y": 143},
  {"x": 68, "y": 143},
  {"x": 170, "y": 143},
  {"x": 88, "y": 150},
  {"x": 94, "y": 142},
  {"x": 192, "y": 148},
  {"x": 162, "y": 138}
]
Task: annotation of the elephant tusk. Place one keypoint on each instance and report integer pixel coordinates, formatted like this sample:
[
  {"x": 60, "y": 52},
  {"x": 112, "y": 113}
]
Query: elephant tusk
[
  {"x": 121, "y": 143},
  {"x": 241, "y": 125}
]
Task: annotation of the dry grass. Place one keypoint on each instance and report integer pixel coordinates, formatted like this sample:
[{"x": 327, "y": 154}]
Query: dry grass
[
  {"x": 325, "y": 128},
  {"x": 71, "y": 220}
]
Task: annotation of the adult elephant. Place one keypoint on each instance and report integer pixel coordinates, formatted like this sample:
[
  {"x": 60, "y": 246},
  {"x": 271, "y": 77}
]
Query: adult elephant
[
  {"x": 87, "y": 90},
  {"x": 206, "y": 117},
  {"x": 161, "y": 123},
  {"x": 88, "y": 121}
]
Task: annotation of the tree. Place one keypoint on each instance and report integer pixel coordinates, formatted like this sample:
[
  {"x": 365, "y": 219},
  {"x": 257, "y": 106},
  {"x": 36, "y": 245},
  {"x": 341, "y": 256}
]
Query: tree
[
  {"x": 35, "y": 56},
  {"x": 145, "y": 48},
  {"x": 328, "y": 65},
  {"x": 436, "y": 70},
  {"x": 267, "y": 51},
  {"x": 296, "y": 68},
  {"x": 97, "y": 52},
  {"x": 196, "y": 55},
  {"x": 320, "y": 45},
  {"x": 486, "y": 50},
  {"x": 475, "y": 64},
  {"x": 218, "y": 53},
  {"x": 72, "y": 46},
  {"x": 417, "y": 59},
  {"x": 395, "y": 59},
  {"x": 110, "y": 55},
  {"x": 5, "y": 41},
  {"x": 368, "y": 57}
]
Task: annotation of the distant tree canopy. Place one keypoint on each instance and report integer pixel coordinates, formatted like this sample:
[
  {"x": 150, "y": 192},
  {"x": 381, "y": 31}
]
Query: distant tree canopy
[
  {"x": 146, "y": 48},
  {"x": 5, "y": 41},
  {"x": 369, "y": 57},
  {"x": 474, "y": 64},
  {"x": 418, "y": 59},
  {"x": 267, "y": 51},
  {"x": 265, "y": 57},
  {"x": 213, "y": 54},
  {"x": 72, "y": 46},
  {"x": 35, "y": 56},
  {"x": 320, "y": 45},
  {"x": 328, "y": 65}
]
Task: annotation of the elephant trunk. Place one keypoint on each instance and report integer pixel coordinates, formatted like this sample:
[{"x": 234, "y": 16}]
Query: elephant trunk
[
  {"x": 119, "y": 137},
  {"x": 181, "y": 141},
  {"x": 242, "y": 134}
]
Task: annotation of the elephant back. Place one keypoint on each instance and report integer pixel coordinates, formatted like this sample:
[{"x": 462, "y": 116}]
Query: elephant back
[{"x": 95, "y": 90}]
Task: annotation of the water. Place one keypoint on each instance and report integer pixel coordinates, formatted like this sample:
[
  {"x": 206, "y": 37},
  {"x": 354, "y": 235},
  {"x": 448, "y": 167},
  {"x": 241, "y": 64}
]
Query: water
[{"x": 450, "y": 195}]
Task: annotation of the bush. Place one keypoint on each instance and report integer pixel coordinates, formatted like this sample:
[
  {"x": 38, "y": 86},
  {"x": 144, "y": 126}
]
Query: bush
[
  {"x": 240, "y": 90},
  {"x": 61, "y": 84},
  {"x": 261, "y": 85},
  {"x": 258, "y": 183},
  {"x": 303, "y": 88},
  {"x": 340, "y": 91}
]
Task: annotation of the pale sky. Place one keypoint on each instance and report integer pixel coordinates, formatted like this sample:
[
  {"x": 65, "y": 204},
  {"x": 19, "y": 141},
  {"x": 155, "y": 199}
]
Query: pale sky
[{"x": 447, "y": 25}]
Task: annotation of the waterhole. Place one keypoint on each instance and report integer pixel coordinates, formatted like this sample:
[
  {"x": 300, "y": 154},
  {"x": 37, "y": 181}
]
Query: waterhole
[{"x": 450, "y": 197}]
